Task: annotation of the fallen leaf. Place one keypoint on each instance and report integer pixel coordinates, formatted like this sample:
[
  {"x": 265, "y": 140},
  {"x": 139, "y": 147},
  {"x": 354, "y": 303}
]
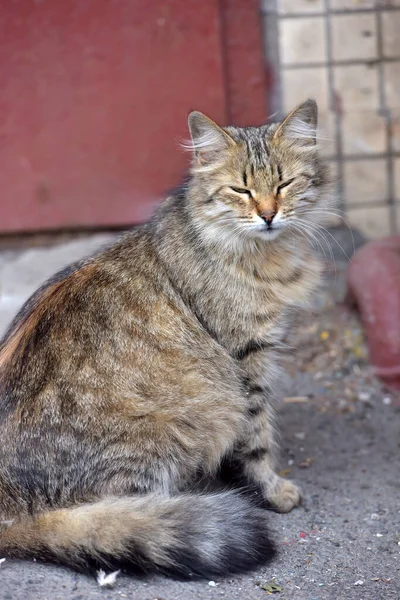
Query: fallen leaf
[
  {"x": 306, "y": 463},
  {"x": 284, "y": 472},
  {"x": 271, "y": 588},
  {"x": 295, "y": 399}
]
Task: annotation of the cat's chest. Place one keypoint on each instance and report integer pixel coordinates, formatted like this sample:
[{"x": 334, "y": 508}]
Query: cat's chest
[
  {"x": 241, "y": 307},
  {"x": 240, "y": 311}
]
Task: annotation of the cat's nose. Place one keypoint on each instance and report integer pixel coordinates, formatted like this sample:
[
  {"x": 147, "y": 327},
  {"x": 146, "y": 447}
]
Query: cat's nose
[{"x": 268, "y": 217}]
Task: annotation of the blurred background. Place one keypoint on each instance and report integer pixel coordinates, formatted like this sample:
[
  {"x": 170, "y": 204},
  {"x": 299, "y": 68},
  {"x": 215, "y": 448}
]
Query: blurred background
[
  {"x": 346, "y": 54},
  {"x": 94, "y": 96}
]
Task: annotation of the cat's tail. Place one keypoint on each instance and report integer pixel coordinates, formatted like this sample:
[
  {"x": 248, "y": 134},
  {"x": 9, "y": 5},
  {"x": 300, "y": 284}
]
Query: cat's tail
[{"x": 187, "y": 535}]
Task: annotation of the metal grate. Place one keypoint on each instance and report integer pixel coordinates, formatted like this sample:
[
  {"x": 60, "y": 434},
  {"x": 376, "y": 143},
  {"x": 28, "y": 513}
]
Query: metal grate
[{"x": 370, "y": 46}]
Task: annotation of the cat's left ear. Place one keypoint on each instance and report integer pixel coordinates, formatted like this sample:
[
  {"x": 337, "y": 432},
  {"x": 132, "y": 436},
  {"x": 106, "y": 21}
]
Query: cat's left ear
[
  {"x": 300, "y": 124},
  {"x": 208, "y": 139}
]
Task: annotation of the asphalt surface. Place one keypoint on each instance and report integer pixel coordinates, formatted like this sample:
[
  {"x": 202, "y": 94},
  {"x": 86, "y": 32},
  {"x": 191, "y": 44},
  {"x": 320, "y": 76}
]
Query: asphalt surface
[{"x": 343, "y": 543}]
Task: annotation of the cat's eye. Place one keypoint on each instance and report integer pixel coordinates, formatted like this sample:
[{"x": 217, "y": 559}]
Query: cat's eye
[
  {"x": 240, "y": 191},
  {"x": 281, "y": 186}
]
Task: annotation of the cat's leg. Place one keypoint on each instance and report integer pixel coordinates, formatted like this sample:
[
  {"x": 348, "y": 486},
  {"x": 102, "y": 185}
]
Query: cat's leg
[
  {"x": 257, "y": 451},
  {"x": 257, "y": 454}
]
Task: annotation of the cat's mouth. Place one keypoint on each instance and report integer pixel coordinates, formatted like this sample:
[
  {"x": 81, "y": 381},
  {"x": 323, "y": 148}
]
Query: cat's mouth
[
  {"x": 269, "y": 228},
  {"x": 270, "y": 232},
  {"x": 274, "y": 227}
]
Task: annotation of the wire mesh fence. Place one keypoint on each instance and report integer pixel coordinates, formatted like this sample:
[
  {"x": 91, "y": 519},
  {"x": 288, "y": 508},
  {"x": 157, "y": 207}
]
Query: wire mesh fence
[{"x": 346, "y": 54}]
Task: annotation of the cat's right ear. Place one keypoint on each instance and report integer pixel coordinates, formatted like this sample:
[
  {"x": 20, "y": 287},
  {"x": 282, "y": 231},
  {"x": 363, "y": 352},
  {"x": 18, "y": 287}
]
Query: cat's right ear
[
  {"x": 208, "y": 141},
  {"x": 300, "y": 124}
]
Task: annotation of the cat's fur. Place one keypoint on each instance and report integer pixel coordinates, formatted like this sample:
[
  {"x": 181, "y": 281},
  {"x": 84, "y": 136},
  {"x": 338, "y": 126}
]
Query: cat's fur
[{"x": 130, "y": 375}]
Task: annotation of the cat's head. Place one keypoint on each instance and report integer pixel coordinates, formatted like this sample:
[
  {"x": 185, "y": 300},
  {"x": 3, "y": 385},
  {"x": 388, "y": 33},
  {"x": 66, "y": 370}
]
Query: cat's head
[{"x": 258, "y": 182}]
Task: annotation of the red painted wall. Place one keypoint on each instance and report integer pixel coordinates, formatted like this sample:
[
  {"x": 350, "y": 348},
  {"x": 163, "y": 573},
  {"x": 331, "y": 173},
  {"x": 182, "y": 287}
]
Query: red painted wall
[{"x": 94, "y": 96}]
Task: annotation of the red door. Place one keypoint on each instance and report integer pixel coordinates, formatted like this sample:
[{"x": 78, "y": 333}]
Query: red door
[{"x": 94, "y": 96}]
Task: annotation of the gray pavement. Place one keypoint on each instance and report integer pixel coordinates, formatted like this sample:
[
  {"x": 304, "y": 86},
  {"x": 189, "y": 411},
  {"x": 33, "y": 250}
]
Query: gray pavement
[{"x": 343, "y": 543}]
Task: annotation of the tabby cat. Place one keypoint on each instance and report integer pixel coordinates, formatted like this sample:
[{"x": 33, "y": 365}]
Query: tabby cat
[{"x": 131, "y": 375}]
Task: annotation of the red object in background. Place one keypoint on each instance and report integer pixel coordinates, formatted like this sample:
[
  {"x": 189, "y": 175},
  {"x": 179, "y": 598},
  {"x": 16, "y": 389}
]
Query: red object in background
[
  {"x": 94, "y": 96},
  {"x": 374, "y": 287}
]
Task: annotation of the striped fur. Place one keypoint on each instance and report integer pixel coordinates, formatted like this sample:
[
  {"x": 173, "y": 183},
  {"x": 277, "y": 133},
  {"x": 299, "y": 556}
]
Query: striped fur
[{"x": 131, "y": 375}]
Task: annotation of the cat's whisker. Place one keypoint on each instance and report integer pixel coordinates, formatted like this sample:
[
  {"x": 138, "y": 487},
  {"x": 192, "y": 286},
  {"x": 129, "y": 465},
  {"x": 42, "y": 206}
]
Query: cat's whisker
[
  {"x": 340, "y": 215},
  {"x": 312, "y": 236},
  {"x": 306, "y": 233},
  {"x": 313, "y": 226},
  {"x": 320, "y": 231},
  {"x": 297, "y": 229},
  {"x": 306, "y": 227},
  {"x": 334, "y": 239}
]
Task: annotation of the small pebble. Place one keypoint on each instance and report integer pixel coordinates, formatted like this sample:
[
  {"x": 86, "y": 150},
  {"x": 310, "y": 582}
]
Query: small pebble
[
  {"x": 379, "y": 535},
  {"x": 387, "y": 400},
  {"x": 212, "y": 584},
  {"x": 359, "y": 582}
]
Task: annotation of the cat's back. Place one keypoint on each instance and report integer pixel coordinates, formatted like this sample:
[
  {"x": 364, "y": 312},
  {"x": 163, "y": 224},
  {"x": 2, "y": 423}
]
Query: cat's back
[
  {"x": 92, "y": 288},
  {"x": 91, "y": 322}
]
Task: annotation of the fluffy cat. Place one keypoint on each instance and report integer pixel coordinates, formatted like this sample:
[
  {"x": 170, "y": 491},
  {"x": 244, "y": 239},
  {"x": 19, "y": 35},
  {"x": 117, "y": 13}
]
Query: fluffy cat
[{"x": 132, "y": 374}]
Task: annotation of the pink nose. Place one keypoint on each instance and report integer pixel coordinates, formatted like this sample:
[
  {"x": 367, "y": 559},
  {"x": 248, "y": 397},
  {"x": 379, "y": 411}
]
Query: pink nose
[{"x": 268, "y": 216}]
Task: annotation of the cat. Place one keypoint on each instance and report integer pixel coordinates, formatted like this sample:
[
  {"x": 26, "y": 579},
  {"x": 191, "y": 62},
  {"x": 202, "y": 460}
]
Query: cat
[{"x": 132, "y": 374}]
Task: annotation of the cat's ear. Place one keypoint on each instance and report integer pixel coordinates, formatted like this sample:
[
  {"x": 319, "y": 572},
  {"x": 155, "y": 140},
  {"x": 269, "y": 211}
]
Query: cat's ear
[
  {"x": 300, "y": 124},
  {"x": 208, "y": 141}
]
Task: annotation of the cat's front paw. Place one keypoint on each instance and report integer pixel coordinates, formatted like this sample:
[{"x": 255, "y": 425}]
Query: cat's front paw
[{"x": 284, "y": 496}]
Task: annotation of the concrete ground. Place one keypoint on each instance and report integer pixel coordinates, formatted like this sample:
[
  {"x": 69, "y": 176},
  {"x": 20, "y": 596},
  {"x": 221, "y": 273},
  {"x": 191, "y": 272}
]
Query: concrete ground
[{"x": 340, "y": 442}]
